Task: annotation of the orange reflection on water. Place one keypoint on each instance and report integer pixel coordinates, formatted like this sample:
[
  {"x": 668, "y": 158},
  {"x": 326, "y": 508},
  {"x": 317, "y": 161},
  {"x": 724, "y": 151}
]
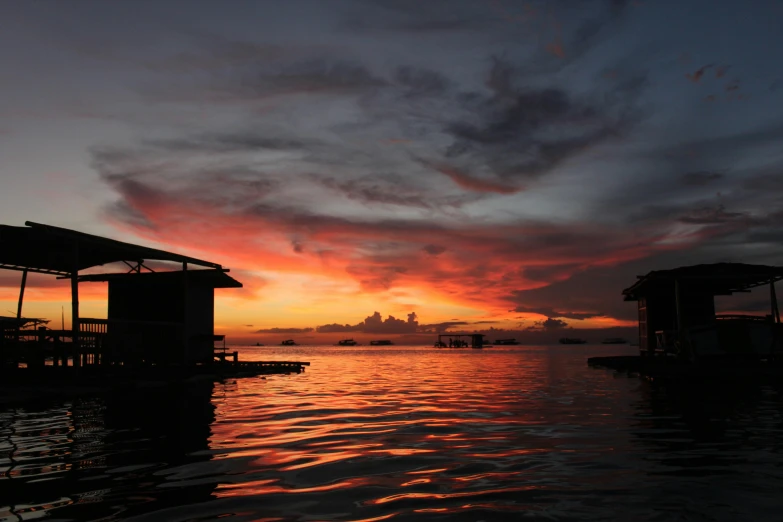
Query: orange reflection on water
[
  {"x": 402, "y": 451},
  {"x": 441, "y": 496},
  {"x": 318, "y": 460},
  {"x": 427, "y": 471},
  {"x": 417, "y": 481},
  {"x": 375, "y": 519},
  {"x": 264, "y": 487},
  {"x": 375, "y": 427}
]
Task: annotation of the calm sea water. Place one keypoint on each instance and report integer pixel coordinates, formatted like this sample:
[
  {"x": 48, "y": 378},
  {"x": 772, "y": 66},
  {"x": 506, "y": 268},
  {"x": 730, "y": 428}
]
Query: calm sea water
[{"x": 403, "y": 433}]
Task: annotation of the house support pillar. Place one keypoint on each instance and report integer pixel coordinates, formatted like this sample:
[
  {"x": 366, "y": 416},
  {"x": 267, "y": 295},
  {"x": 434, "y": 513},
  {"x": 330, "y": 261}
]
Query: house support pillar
[{"x": 75, "y": 341}]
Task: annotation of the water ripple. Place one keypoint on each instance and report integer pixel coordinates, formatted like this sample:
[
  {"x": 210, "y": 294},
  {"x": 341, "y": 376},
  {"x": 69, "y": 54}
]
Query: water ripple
[{"x": 403, "y": 434}]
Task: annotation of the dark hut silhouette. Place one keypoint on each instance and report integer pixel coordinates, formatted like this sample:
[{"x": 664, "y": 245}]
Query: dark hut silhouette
[
  {"x": 155, "y": 318},
  {"x": 677, "y": 312},
  {"x": 681, "y": 334}
]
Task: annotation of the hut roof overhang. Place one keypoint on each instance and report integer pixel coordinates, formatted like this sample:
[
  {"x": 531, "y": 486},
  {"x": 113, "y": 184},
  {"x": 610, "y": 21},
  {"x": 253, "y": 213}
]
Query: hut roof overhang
[
  {"x": 211, "y": 278},
  {"x": 715, "y": 279},
  {"x": 60, "y": 251}
]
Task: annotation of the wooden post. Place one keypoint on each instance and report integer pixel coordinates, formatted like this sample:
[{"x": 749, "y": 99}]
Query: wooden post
[
  {"x": 75, "y": 319},
  {"x": 19, "y": 306},
  {"x": 774, "y": 302},
  {"x": 21, "y": 297},
  {"x": 185, "y": 313}
]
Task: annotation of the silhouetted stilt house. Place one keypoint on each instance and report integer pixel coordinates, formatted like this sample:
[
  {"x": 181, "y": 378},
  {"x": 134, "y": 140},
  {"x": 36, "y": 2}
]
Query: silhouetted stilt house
[
  {"x": 154, "y": 318},
  {"x": 677, "y": 313},
  {"x": 456, "y": 340}
]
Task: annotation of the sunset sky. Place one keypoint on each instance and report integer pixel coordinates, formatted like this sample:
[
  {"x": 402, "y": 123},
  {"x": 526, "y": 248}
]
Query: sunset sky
[{"x": 487, "y": 163}]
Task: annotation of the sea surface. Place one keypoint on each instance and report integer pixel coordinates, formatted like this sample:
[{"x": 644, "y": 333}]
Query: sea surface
[{"x": 403, "y": 433}]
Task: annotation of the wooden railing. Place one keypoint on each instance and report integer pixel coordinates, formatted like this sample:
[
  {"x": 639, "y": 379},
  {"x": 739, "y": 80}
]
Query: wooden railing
[{"x": 744, "y": 317}]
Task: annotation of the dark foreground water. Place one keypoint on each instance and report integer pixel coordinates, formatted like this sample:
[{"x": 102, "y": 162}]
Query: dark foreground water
[{"x": 403, "y": 434}]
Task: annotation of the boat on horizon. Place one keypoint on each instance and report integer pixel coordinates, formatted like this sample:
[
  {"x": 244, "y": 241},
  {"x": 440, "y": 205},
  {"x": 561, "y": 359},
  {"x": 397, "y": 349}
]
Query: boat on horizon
[
  {"x": 381, "y": 342},
  {"x": 288, "y": 342},
  {"x": 259, "y": 344},
  {"x": 506, "y": 342},
  {"x": 572, "y": 340},
  {"x": 347, "y": 342}
]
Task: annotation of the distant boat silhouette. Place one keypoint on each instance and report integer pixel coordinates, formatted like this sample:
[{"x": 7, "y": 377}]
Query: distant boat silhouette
[
  {"x": 572, "y": 340},
  {"x": 347, "y": 342},
  {"x": 288, "y": 342},
  {"x": 259, "y": 344},
  {"x": 614, "y": 340},
  {"x": 506, "y": 342},
  {"x": 382, "y": 342}
]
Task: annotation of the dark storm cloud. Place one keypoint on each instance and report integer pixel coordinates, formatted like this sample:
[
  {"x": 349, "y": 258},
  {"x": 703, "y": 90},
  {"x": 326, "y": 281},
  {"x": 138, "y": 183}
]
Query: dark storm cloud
[
  {"x": 597, "y": 291},
  {"x": 420, "y": 82},
  {"x": 388, "y": 189},
  {"x": 766, "y": 182},
  {"x": 521, "y": 133},
  {"x": 415, "y": 17},
  {"x": 551, "y": 312},
  {"x": 126, "y": 213},
  {"x": 317, "y": 75},
  {"x": 724, "y": 148},
  {"x": 500, "y": 140},
  {"x": 284, "y": 330},
  {"x": 212, "y": 51},
  {"x": 373, "y": 278},
  {"x": 375, "y": 324},
  {"x": 226, "y": 143},
  {"x": 548, "y": 273},
  {"x": 713, "y": 215},
  {"x": 442, "y": 327},
  {"x": 661, "y": 192},
  {"x": 416, "y": 27},
  {"x": 434, "y": 250},
  {"x": 549, "y": 324},
  {"x": 700, "y": 178},
  {"x": 338, "y": 328}
]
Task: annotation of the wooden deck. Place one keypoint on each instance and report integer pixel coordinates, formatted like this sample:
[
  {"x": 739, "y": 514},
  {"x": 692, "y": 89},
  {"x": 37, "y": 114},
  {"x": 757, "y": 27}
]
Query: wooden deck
[
  {"x": 656, "y": 367},
  {"x": 20, "y": 385}
]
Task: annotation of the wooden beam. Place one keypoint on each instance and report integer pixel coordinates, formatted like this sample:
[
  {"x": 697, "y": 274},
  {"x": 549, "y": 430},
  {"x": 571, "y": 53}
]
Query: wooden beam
[
  {"x": 774, "y": 301},
  {"x": 19, "y": 268},
  {"x": 77, "y": 362}
]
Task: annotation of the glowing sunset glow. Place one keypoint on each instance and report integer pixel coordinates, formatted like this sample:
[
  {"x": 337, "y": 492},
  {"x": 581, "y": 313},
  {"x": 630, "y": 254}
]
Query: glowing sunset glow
[{"x": 397, "y": 169}]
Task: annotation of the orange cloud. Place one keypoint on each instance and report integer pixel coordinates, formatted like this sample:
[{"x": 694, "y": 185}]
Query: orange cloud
[
  {"x": 445, "y": 264},
  {"x": 556, "y": 48},
  {"x": 696, "y": 76}
]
